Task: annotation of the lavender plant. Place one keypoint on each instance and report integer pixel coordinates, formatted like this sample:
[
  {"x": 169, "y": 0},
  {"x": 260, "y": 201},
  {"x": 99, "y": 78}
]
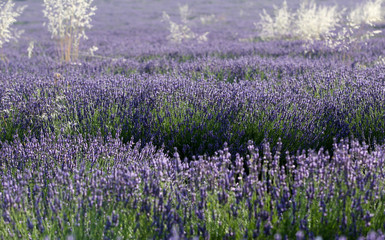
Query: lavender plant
[
  {"x": 199, "y": 106},
  {"x": 68, "y": 187}
]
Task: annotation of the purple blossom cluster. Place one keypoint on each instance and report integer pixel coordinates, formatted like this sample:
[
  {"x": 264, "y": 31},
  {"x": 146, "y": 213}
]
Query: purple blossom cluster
[
  {"x": 199, "y": 105},
  {"x": 87, "y": 188}
]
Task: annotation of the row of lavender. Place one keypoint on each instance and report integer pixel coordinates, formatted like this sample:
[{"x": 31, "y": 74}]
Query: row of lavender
[
  {"x": 96, "y": 189},
  {"x": 198, "y": 105}
]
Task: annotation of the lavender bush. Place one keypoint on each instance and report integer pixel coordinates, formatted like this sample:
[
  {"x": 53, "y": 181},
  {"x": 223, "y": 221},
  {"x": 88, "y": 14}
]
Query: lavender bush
[
  {"x": 198, "y": 106},
  {"x": 64, "y": 186},
  {"x": 223, "y": 139}
]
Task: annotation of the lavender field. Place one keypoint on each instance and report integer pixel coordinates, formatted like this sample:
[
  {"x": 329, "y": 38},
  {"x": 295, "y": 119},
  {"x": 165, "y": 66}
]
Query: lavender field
[{"x": 221, "y": 123}]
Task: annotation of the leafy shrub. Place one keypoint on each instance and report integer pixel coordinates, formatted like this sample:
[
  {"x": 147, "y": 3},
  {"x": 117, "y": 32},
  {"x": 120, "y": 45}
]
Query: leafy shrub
[{"x": 67, "y": 21}]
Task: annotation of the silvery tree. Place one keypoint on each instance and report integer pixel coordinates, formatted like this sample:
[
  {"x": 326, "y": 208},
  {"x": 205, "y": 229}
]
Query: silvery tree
[
  {"x": 181, "y": 32},
  {"x": 8, "y": 15},
  {"x": 278, "y": 26},
  {"x": 309, "y": 22},
  {"x": 369, "y": 13},
  {"x": 359, "y": 24},
  {"x": 316, "y": 22},
  {"x": 67, "y": 21}
]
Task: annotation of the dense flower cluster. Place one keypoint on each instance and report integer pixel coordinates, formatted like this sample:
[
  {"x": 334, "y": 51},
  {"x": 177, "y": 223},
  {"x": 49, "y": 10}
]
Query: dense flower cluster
[
  {"x": 101, "y": 187},
  {"x": 199, "y": 105}
]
